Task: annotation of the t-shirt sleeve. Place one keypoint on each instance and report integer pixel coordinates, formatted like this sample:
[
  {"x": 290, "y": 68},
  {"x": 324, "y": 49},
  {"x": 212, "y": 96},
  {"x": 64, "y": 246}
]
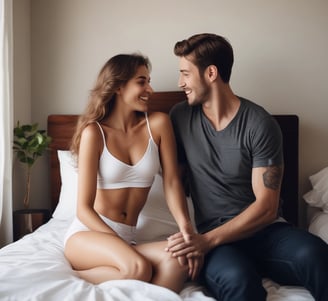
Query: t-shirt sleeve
[{"x": 267, "y": 143}]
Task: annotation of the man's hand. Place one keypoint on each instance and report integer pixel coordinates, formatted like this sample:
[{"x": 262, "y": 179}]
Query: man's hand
[
  {"x": 194, "y": 264},
  {"x": 192, "y": 247}
]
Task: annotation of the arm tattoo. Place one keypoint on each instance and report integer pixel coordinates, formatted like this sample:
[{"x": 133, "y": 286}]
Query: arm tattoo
[{"x": 272, "y": 177}]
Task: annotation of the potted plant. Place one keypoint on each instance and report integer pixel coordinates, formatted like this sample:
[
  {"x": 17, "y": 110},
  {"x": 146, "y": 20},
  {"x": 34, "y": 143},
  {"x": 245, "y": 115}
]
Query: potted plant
[{"x": 29, "y": 144}]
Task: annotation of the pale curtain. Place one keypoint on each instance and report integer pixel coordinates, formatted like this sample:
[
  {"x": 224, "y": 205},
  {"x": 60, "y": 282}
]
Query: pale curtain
[{"x": 6, "y": 121}]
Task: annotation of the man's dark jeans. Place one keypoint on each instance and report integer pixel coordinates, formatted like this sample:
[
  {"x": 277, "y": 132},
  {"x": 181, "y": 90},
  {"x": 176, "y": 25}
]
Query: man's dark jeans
[{"x": 281, "y": 252}]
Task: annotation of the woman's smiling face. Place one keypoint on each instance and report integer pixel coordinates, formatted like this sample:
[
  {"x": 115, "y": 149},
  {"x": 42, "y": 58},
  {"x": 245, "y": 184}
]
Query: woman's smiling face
[{"x": 137, "y": 90}]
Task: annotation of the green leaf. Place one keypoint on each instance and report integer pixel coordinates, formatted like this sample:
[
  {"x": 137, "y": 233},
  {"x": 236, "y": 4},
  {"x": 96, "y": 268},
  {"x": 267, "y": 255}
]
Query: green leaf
[{"x": 29, "y": 142}]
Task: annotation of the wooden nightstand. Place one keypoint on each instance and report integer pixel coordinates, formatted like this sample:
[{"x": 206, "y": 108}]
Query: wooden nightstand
[{"x": 25, "y": 221}]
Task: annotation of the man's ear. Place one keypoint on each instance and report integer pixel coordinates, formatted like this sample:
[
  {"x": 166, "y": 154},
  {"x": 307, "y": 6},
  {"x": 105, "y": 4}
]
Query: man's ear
[{"x": 212, "y": 72}]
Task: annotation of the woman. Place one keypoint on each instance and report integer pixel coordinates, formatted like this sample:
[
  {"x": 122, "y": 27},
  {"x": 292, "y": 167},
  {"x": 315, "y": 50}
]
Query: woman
[{"x": 120, "y": 148}]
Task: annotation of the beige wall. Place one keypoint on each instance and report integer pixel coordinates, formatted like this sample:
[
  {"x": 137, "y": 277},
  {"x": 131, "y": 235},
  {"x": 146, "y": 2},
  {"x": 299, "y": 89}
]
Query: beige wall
[{"x": 280, "y": 56}]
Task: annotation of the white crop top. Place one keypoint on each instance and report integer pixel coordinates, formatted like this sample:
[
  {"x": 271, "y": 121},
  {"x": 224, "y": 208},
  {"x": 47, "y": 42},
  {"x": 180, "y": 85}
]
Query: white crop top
[{"x": 113, "y": 173}]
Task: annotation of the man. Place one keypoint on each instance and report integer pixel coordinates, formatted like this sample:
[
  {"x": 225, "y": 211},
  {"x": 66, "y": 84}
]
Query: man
[{"x": 232, "y": 149}]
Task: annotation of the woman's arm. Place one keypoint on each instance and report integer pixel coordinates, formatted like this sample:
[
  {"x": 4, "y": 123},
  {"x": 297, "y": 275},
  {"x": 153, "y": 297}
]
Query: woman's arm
[
  {"x": 173, "y": 188},
  {"x": 162, "y": 128}
]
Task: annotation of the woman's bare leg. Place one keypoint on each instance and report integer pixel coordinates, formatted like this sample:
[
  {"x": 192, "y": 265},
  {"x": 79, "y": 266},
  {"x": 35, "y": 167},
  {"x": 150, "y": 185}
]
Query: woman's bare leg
[
  {"x": 167, "y": 271},
  {"x": 98, "y": 257}
]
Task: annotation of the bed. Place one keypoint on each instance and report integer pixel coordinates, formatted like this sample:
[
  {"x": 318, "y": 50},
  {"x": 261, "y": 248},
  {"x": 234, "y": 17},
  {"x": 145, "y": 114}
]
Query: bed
[{"x": 34, "y": 267}]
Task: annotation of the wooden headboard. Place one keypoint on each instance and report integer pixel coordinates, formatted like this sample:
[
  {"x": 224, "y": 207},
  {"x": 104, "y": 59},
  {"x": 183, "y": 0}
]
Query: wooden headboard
[{"x": 61, "y": 129}]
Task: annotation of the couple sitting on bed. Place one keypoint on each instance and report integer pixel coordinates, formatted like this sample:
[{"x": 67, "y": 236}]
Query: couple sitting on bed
[{"x": 232, "y": 152}]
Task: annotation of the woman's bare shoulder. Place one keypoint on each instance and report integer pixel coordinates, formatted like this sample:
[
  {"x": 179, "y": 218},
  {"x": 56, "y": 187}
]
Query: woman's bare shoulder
[
  {"x": 159, "y": 119},
  {"x": 160, "y": 124},
  {"x": 91, "y": 132}
]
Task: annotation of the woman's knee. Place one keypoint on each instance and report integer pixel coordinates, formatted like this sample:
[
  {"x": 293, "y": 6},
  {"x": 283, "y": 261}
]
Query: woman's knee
[
  {"x": 138, "y": 269},
  {"x": 169, "y": 265}
]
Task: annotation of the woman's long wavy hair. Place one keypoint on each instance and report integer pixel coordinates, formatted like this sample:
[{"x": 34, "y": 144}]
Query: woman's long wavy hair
[{"x": 117, "y": 71}]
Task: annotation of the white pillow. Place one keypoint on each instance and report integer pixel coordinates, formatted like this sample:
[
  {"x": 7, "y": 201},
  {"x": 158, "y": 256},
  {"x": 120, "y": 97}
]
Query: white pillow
[
  {"x": 318, "y": 196},
  {"x": 320, "y": 180},
  {"x": 315, "y": 198},
  {"x": 319, "y": 225},
  {"x": 155, "y": 221},
  {"x": 66, "y": 207}
]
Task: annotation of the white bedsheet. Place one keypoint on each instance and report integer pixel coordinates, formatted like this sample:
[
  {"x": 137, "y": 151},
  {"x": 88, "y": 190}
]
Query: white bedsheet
[{"x": 35, "y": 269}]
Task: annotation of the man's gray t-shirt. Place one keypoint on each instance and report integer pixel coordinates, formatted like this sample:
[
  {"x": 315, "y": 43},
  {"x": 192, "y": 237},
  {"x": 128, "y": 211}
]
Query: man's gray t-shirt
[{"x": 220, "y": 163}]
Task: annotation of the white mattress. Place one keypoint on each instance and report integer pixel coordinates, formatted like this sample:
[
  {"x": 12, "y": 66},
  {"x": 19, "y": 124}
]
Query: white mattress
[{"x": 35, "y": 269}]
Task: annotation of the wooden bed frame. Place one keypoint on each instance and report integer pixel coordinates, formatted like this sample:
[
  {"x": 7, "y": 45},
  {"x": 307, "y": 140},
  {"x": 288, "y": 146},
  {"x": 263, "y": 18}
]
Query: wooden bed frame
[{"x": 61, "y": 129}]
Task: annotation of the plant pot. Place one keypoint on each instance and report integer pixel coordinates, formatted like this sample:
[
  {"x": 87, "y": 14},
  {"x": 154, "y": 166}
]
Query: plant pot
[{"x": 27, "y": 220}]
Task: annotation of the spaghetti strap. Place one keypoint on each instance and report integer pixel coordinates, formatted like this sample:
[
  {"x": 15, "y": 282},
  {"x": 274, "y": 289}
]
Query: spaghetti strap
[
  {"x": 149, "y": 131},
  {"x": 102, "y": 133}
]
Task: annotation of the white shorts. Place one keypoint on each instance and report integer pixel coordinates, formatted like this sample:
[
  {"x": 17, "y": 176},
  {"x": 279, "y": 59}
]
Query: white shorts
[{"x": 126, "y": 232}]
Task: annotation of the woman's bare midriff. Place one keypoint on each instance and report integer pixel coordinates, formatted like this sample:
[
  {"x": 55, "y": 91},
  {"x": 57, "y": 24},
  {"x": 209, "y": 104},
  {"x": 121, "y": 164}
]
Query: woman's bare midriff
[{"x": 121, "y": 205}]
